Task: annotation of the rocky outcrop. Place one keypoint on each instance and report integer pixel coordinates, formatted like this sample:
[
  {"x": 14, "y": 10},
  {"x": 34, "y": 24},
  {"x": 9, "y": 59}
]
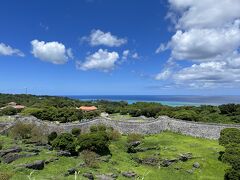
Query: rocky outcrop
[{"x": 37, "y": 165}]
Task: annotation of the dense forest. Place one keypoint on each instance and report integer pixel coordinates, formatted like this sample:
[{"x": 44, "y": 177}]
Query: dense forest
[{"x": 63, "y": 109}]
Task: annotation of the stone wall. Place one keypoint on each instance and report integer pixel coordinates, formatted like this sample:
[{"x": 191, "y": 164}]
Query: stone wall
[{"x": 163, "y": 123}]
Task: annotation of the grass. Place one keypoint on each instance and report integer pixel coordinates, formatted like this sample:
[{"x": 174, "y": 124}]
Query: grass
[
  {"x": 6, "y": 119},
  {"x": 170, "y": 145}
]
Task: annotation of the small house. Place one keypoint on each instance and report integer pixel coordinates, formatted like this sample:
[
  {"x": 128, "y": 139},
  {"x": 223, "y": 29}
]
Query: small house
[{"x": 88, "y": 108}]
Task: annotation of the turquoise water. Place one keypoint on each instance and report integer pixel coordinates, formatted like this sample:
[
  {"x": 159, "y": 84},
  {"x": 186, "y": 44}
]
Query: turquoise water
[{"x": 170, "y": 100}]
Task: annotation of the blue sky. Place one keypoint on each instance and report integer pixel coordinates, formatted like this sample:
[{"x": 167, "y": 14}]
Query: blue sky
[{"x": 80, "y": 47}]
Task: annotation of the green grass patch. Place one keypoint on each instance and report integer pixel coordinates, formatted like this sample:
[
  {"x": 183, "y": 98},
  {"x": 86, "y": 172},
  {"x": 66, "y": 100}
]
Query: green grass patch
[{"x": 169, "y": 145}]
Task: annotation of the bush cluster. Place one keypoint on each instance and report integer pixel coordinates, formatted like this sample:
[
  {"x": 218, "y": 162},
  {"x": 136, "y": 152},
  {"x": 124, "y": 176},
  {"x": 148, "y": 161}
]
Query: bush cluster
[
  {"x": 76, "y": 131},
  {"x": 8, "y": 111},
  {"x": 51, "y": 137},
  {"x": 96, "y": 141},
  {"x": 21, "y": 131},
  {"x": 230, "y": 139},
  {"x": 90, "y": 158},
  {"x": 64, "y": 141},
  {"x": 27, "y": 131}
]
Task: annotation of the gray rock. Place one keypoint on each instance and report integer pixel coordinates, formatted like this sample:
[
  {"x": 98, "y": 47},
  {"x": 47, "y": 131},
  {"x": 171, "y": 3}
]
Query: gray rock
[
  {"x": 37, "y": 165},
  {"x": 71, "y": 171},
  {"x": 11, "y": 150},
  {"x": 89, "y": 176},
  {"x": 129, "y": 174},
  {"x": 165, "y": 163},
  {"x": 48, "y": 147},
  {"x": 64, "y": 153},
  {"x": 82, "y": 164},
  {"x": 190, "y": 171},
  {"x": 114, "y": 176},
  {"x": 10, "y": 157},
  {"x": 134, "y": 143},
  {"x": 168, "y": 162},
  {"x": 185, "y": 156},
  {"x": 150, "y": 161},
  {"x": 51, "y": 160},
  {"x": 138, "y": 160},
  {"x": 196, "y": 165},
  {"x": 141, "y": 149},
  {"x": 105, "y": 158}
]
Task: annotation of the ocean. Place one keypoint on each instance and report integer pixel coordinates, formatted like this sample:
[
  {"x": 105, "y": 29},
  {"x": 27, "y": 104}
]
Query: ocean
[{"x": 170, "y": 100}]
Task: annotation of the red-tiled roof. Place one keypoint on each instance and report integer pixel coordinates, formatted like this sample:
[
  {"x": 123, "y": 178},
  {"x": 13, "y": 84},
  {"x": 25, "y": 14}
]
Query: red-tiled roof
[{"x": 88, "y": 108}]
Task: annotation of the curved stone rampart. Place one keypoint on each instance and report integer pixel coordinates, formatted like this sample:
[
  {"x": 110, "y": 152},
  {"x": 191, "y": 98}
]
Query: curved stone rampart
[{"x": 163, "y": 123}]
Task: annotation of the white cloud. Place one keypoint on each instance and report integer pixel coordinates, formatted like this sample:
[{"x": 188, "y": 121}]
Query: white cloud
[
  {"x": 7, "y": 50},
  {"x": 135, "y": 56},
  {"x": 98, "y": 37},
  {"x": 125, "y": 54},
  {"x": 208, "y": 35},
  {"x": 205, "y": 13},
  {"x": 208, "y": 74},
  {"x": 129, "y": 54},
  {"x": 162, "y": 47},
  {"x": 204, "y": 43},
  {"x": 100, "y": 60},
  {"x": 53, "y": 52},
  {"x": 70, "y": 53},
  {"x": 163, "y": 75}
]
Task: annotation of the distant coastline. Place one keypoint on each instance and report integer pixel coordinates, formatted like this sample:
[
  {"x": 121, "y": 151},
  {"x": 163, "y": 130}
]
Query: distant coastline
[{"x": 171, "y": 100}]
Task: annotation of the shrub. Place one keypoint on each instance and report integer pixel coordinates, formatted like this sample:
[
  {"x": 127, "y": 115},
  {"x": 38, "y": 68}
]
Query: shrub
[
  {"x": 134, "y": 137},
  {"x": 96, "y": 141},
  {"x": 98, "y": 128},
  {"x": 228, "y": 108},
  {"x": 232, "y": 155},
  {"x": 21, "y": 130},
  {"x": 52, "y": 136},
  {"x": 91, "y": 114},
  {"x": 64, "y": 141},
  {"x": 5, "y": 176},
  {"x": 8, "y": 111},
  {"x": 1, "y": 145},
  {"x": 229, "y": 135},
  {"x": 90, "y": 158},
  {"x": 76, "y": 131},
  {"x": 188, "y": 115},
  {"x": 232, "y": 174},
  {"x": 114, "y": 135},
  {"x": 30, "y": 111},
  {"x": 37, "y": 134}
]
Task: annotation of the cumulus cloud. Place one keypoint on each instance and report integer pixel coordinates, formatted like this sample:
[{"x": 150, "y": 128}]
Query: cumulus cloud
[
  {"x": 101, "y": 60},
  {"x": 205, "y": 43},
  {"x": 53, "y": 52},
  {"x": 205, "y": 13},
  {"x": 208, "y": 74},
  {"x": 208, "y": 35},
  {"x": 98, "y": 37},
  {"x": 6, "y": 50}
]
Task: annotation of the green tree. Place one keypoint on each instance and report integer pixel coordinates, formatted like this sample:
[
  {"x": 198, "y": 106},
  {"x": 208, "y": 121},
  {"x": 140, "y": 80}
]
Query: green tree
[
  {"x": 96, "y": 141},
  {"x": 64, "y": 141},
  {"x": 229, "y": 135}
]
